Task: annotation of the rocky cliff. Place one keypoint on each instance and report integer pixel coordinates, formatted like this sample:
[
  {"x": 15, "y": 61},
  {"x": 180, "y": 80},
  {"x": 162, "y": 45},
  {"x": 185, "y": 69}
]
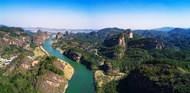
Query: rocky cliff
[
  {"x": 118, "y": 38},
  {"x": 51, "y": 83},
  {"x": 76, "y": 56},
  {"x": 48, "y": 75},
  {"x": 146, "y": 43},
  {"x": 31, "y": 70},
  {"x": 108, "y": 68},
  {"x": 39, "y": 37},
  {"x": 58, "y": 35},
  {"x": 14, "y": 41},
  {"x": 115, "y": 40},
  {"x": 115, "y": 45},
  {"x": 14, "y": 36}
]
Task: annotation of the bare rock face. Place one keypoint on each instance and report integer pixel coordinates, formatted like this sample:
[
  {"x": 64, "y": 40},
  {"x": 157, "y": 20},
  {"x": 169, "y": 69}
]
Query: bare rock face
[
  {"x": 15, "y": 37},
  {"x": 118, "y": 39},
  {"x": 40, "y": 37},
  {"x": 58, "y": 35},
  {"x": 51, "y": 83},
  {"x": 26, "y": 46},
  {"x": 19, "y": 62},
  {"x": 76, "y": 56},
  {"x": 110, "y": 70},
  {"x": 116, "y": 44},
  {"x": 115, "y": 40},
  {"x": 19, "y": 42},
  {"x": 146, "y": 43},
  {"x": 128, "y": 33}
]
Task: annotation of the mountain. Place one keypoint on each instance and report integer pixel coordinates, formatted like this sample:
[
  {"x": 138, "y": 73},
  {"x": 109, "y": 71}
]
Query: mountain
[
  {"x": 122, "y": 62},
  {"x": 25, "y": 67},
  {"x": 157, "y": 76},
  {"x": 177, "y": 39},
  {"x": 146, "y": 43},
  {"x": 14, "y": 40},
  {"x": 39, "y": 37},
  {"x": 1, "y": 25},
  {"x": 163, "y": 29},
  {"x": 109, "y": 31}
]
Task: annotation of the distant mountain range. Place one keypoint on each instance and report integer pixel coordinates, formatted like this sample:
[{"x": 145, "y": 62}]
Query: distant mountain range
[
  {"x": 164, "y": 29},
  {"x": 35, "y": 29},
  {"x": 2, "y": 25},
  {"x": 167, "y": 28}
]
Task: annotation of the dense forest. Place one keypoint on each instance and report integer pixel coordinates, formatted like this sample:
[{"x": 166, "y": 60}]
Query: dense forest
[
  {"x": 147, "y": 61},
  {"x": 153, "y": 61}
]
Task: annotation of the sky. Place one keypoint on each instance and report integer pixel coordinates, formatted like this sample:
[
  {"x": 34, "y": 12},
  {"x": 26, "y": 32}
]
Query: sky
[{"x": 95, "y": 14}]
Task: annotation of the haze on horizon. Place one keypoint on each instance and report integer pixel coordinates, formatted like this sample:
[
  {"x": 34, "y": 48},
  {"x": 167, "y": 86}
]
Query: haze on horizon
[{"x": 95, "y": 14}]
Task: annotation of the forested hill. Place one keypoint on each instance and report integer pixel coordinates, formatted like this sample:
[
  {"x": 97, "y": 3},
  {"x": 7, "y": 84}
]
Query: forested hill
[
  {"x": 24, "y": 65},
  {"x": 14, "y": 40},
  {"x": 153, "y": 58},
  {"x": 177, "y": 38}
]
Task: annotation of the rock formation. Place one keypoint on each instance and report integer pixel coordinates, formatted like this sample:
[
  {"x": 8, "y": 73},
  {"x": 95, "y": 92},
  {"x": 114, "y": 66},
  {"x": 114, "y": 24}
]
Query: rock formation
[
  {"x": 14, "y": 36},
  {"x": 114, "y": 40},
  {"x": 76, "y": 56},
  {"x": 58, "y": 35},
  {"x": 40, "y": 37},
  {"x": 118, "y": 39},
  {"x": 146, "y": 43},
  {"x": 116, "y": 44},
  {"x": 51, "y": 83},
  {"x": 109, "y": 69}
]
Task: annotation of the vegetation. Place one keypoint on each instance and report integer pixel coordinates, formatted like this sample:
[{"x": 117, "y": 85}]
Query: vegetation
[
  {"x": 161, "y": 75},
  {"x": 48, "y": 65},
  {"x": 90, "y": 60},
  {"x": 4, "y": 29},
  {"x": 33, "y": 45},
  {"x": 177, "y": 39},
  {"x": 110, "y": 87},
  {"x": 19, "y": 80},
  {"x": 23, "y": 80},
  {"x": 13, "y": 50},
  {"x": 21, "y": 75},
  {"x": 165, "y": 70},
  {"x": 15, "y": 41}
]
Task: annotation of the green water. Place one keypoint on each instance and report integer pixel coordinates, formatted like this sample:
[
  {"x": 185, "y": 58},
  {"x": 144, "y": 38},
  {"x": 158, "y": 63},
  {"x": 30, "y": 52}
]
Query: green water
[{"x": 82, "y": 80}]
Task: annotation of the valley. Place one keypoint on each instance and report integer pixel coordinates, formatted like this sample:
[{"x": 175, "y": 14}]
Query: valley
[
  {"x": 131, "y": 61},
  {"x": 113, "y": 55}
]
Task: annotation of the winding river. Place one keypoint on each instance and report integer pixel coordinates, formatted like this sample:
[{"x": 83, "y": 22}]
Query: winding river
[{"x": 82, "y": 80}]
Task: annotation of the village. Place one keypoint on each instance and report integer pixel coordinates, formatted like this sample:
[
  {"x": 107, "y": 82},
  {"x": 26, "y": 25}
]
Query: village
[{"x": 5, "y": 62}]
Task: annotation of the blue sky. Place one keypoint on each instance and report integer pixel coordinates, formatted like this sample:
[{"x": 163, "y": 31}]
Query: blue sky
[{"x": 95, "y": 14}]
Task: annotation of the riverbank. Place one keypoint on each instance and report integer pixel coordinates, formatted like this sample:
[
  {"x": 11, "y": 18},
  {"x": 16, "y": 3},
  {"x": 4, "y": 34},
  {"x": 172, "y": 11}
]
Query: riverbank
[
  {"x": 60, "y": 50},
  {"x": 39, "y": 51},
  {"x": 44, "y": 50},
  {"x": 82, "y": 80},
  {"x": 67, "y": 70}
]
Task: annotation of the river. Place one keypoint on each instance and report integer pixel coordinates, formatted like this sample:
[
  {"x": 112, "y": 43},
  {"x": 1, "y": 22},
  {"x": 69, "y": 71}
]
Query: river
[{"x": 82, "y": 80}]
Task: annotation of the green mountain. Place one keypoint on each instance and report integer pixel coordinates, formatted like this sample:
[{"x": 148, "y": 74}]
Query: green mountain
[
  {"x": 25, "y": 67},
  {"x": 132, "y": 61}
]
